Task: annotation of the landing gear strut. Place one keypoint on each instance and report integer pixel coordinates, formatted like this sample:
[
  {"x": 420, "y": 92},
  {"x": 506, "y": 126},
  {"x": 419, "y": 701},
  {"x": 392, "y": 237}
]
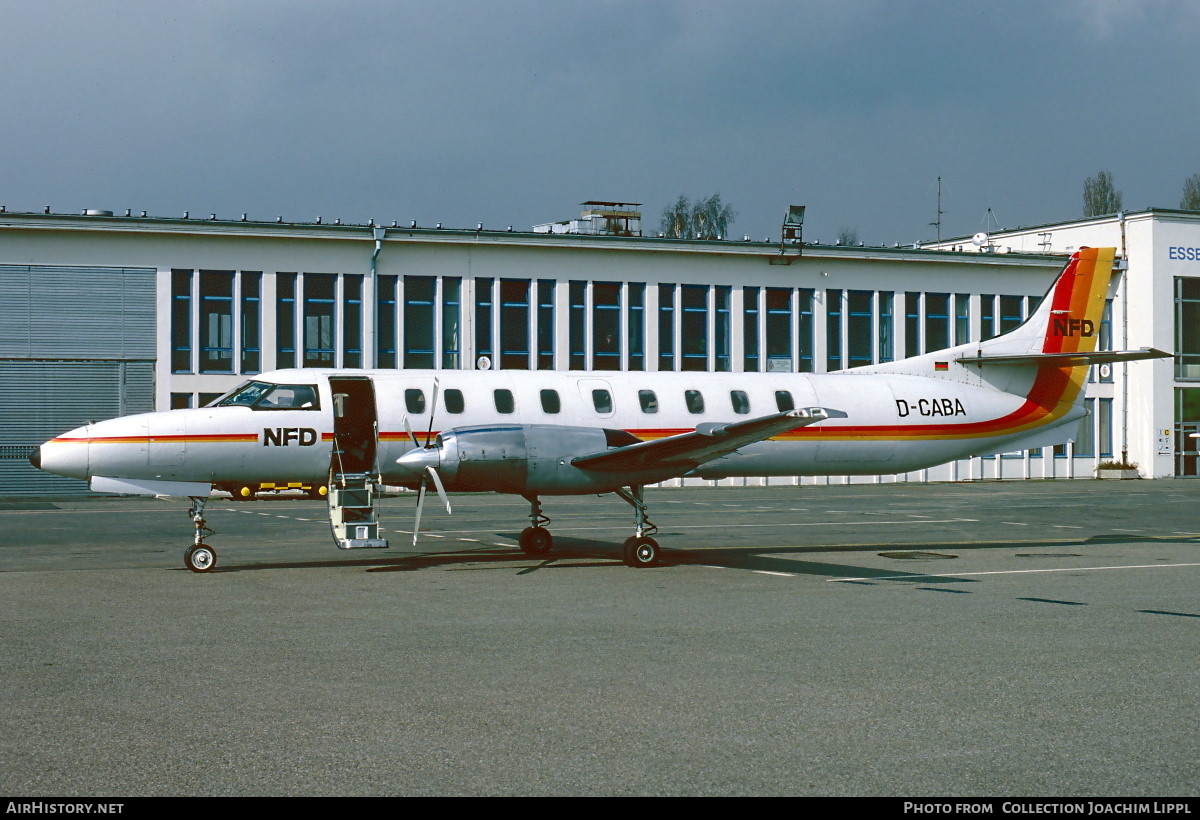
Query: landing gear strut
[
  {"x": 640, "y": 550},
  {"x": 536, "y": 539},
  {"x": 199, "y": 557}
]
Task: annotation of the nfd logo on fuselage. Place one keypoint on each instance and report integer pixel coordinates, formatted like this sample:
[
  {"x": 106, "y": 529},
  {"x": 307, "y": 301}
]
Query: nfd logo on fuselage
[
  {"x": 284, "y": 436},
  {"x": 1063, "y": 326}
]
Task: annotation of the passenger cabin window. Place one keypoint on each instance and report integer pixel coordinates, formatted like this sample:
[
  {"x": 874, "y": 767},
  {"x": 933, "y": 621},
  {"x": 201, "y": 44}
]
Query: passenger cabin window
[
  {"x": 414, "y": 400},
  {"x": 740, "y": 401},
  {"x": 648, "y": 400},
  {"x": 266, "y": 396},
  {"x": 695, "y": 401},
  {"x": 504, "y": 401},
  {"x": 784, "y": 401},
  {"x": 602, "y": 401},
  {"x": 454, "y": 401},
  {"x": 550, "y": 402}
]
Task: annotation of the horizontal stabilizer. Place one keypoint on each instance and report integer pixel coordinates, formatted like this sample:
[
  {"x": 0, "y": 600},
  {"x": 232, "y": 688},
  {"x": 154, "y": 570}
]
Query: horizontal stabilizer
[
  {"x": 705, "y": 443},
  {"x": 1069, "y": 359}
]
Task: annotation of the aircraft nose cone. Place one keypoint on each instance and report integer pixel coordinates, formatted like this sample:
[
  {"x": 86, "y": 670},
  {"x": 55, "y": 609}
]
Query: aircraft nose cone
[{"x": 35, "y": 457}]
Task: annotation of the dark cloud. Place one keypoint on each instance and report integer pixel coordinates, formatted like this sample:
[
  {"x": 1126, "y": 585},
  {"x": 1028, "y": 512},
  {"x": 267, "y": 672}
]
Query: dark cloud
[{"x": 513, "y": 113}]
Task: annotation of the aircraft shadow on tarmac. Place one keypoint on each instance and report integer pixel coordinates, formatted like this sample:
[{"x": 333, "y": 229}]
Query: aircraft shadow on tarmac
[{"x": 582, "y": 553}]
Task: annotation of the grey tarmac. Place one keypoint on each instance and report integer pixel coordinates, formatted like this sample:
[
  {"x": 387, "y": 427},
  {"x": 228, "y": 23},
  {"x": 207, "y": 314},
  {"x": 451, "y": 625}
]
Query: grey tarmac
[{"x": 967, "y": 639}]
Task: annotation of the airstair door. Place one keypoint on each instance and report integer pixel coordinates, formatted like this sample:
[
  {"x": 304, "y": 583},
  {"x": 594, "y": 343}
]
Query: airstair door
[{"x": 354, "y": 476}]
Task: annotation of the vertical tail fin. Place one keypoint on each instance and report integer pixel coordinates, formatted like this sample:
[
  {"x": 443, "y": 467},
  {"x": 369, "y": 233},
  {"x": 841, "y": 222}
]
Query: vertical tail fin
[{"x": 1068, "y": 319}]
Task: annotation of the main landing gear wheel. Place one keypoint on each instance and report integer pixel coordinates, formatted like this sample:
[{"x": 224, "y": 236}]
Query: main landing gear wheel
[
  {"x": 200, "y": 558},
  {"x": 640, "y": 551},
  {"x": 536, "y": 541}
]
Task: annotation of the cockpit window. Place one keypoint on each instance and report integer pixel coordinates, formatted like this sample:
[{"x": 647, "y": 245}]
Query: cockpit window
[{"x": 267, "y": 396}]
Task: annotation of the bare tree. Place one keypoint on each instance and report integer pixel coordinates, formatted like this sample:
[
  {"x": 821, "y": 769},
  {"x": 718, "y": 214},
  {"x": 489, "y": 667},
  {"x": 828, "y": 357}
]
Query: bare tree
[
  {"x": 1100, "y": 196},
  {"x": 706, "y": 218},
  {"x": 848, "y": 236},
  {"x": 1191, "y": 193}
]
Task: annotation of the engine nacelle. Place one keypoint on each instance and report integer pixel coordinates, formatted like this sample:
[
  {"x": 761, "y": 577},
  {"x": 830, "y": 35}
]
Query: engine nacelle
[{"x": 532, "y": 459}]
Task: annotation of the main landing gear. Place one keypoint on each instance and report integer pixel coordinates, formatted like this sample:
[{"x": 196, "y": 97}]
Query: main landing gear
[
  {"x": 639, "y": 550},
  {"x": 199, "y": 557}
]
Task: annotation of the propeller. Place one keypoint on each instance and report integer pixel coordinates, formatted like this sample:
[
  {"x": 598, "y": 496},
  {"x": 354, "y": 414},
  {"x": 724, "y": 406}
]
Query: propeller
[{"x": 424, "y": 461}]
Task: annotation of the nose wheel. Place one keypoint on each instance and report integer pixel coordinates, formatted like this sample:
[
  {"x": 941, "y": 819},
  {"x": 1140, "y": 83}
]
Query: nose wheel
[
  {"x": 536, "y": 540},
  {"x": 199, "y": 557}
]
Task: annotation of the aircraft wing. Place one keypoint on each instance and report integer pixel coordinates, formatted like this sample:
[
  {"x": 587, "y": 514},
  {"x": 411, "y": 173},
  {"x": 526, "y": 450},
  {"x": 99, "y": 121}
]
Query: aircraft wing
[
  {"x": 705, "y": 443},
  {"x": 1069, "y": 359}
]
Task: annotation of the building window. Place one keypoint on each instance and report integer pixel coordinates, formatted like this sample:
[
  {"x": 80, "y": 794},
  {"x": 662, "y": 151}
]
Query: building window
[
  {"x": 722, "y": 329},
  {"x": 1187, "y": 328},
  {"x": 251, "y": 321},
  {"x": 937, "y": 321},
  {"x": 319, "y": 326},
  {"x": 694, "y": 330},
  {"x": 285, "y": 320},
  {"x": 352, "y": 321},
  {"x": 666, "y": 327},
  {"x": 833, "y": 330},
  {"x": 216, "y": 321},
  {"x": 804, "y": 329},
  {"x": 750, "y": 329},
  {"x": 385, "y": 345},
  {"x": 577, "y": 350},
  {"x": 483, "y": 318},
  {"x": 636, "y": 324},
  {"x": 545, "y": 324},
  {"x": 1104, "y": 428},
  {"x": 514, "y": 324},
  {"x": 779, "y": 329},
  {"x": 606, "y": 326},
  {"x": 962, "y": 318},
  {"x": 181, "y": 321},
  {"x": 419, "y": 296},
  {"x": 181, "y": 401},
  {"x": 912, "y": 324},
  {"x": 887, "y": 333},
  {"x": 987, "y": 316},
  {"x": 451, "y": 317},
  {"x": 860, "y": 336},
  {"x": 1010, "y": 313}
]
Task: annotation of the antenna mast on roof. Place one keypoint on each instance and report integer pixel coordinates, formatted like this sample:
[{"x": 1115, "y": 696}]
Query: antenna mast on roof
[{"x": 938, "y": 222}]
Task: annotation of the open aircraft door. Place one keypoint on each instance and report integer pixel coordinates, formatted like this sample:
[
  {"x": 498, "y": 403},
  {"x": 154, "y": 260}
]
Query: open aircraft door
[{"x": 354, "y": 475}]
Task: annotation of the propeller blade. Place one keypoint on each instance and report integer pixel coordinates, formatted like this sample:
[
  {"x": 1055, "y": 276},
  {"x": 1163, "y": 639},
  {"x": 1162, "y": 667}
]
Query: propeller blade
[
  {"x": 441, "y": 490},
  {"x": 432, "y": 411},
  {"x": 408, "y": 429},
  {"x": 420, "y": 503}
]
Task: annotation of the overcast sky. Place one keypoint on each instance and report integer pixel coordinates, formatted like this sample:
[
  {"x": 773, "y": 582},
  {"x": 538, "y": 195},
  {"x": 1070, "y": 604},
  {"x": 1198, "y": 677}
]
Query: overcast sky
[{"x": 514, "y": 112}]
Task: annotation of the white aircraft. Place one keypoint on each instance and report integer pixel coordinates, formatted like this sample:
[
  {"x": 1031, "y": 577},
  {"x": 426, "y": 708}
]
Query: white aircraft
[{"x": 538, "y": 433}]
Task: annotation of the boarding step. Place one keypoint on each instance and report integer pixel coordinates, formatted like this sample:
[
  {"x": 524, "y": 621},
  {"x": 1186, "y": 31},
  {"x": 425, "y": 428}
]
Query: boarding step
[{"x": 352, "y": 512}]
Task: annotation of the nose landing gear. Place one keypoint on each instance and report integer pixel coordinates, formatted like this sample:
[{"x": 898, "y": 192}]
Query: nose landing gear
[{"x": 199, "y": 557}]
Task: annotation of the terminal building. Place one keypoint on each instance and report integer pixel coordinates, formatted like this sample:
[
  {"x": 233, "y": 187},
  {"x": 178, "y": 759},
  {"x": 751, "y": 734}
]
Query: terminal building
[{"x": 104, "y": 314}]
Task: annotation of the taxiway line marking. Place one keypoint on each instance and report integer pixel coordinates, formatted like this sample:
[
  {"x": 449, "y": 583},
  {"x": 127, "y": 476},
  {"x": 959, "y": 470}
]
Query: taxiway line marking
[{"x": 1008, "y": 572}]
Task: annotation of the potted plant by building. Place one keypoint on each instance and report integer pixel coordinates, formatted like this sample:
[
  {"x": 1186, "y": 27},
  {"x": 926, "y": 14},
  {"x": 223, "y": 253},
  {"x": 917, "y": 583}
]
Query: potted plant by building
[{"x": 1117, "y": 469}]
